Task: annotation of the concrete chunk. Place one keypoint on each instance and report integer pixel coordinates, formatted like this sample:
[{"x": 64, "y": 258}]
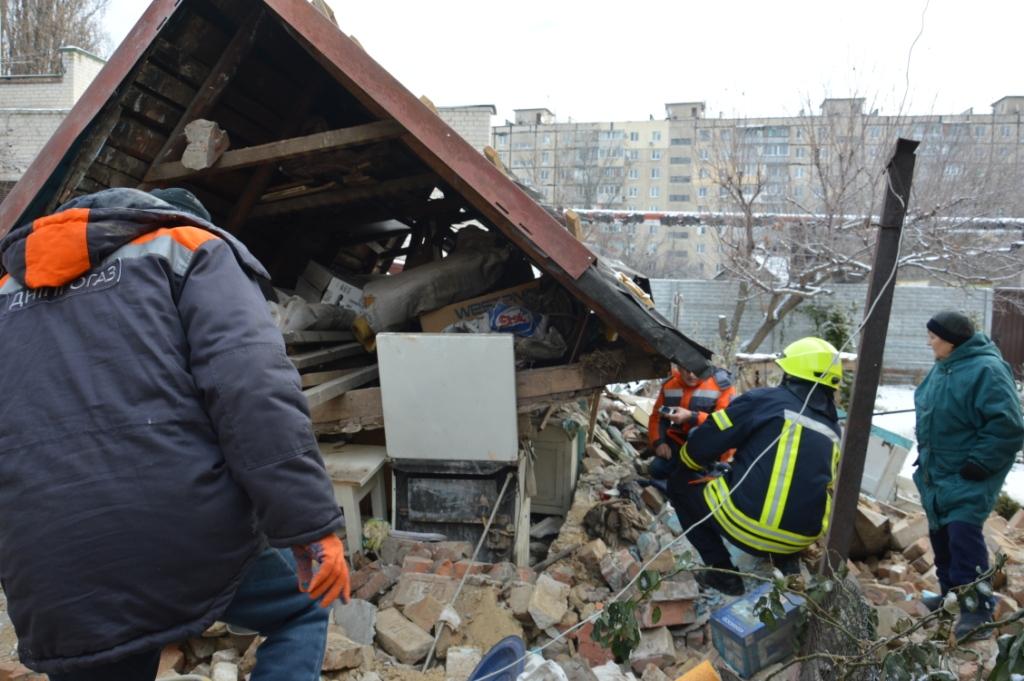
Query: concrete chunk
[
  {"x": 656, "y": 647},
  {"x": 460, "y": 662},
  {"x": 548, "y": 602},
  {"x": 357, "y": 618},
  {"x": 908, "y": 530},
  {"x": 401, "y": 638},
  {"x": 413, "y": 587},
  {"x": 344, "y": 653},
  {"x": 424, "y": 612}
]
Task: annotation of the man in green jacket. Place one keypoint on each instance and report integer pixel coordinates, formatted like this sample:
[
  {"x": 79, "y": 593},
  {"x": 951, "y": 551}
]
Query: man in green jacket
[{"x": 969, "y": 429}]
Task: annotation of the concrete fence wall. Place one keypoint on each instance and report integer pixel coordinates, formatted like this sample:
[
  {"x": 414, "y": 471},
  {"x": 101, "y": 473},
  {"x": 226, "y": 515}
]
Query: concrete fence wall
[{"x": 698, "y": 304}]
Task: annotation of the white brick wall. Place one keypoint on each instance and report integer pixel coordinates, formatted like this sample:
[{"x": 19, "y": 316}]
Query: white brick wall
[
  {"x": 473, "y": 123},
  {"x": 32, "y": 108},
  {"x": 906, "y": 352}
]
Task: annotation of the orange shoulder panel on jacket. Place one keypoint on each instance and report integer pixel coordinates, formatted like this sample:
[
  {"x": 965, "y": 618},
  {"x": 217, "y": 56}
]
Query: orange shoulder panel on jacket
[
  {"x": 57, "y": 250},
  {"x": 189, "y": 237}
]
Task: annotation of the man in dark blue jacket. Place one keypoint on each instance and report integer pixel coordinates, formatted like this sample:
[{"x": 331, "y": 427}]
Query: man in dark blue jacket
[
  {"x": 154, "y": 444},
  {"x": 776, "y": 498}
]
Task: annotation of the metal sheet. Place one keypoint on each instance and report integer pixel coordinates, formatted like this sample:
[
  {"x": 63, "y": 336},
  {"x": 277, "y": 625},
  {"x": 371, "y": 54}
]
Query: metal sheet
[{"x": 448, "y": 396}]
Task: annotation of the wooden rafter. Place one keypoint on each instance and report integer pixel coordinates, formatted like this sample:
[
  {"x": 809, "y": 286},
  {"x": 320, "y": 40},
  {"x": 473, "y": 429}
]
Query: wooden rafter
[
  {"x": 275, "y": 152},
  {"x": 213, "y": 87},
  {"x": 340, "y": 197}
]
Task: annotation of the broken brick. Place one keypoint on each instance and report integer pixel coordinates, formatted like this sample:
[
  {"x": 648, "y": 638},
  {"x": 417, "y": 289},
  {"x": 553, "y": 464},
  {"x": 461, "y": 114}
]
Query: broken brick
[
  {"x": 417, "y": 564},
  {"x": 654, "y": 499},
  {"x": 472, "y": 567},
  {"x": 589, "y": 649},
  {"x": 401, "y": 638},
  {"x": 656, "y": 647},
  {"x": 591, "y": 553},
  {"x": 548, "y": 602},
  {"x": 619, "y": 568},
  {"x": 424, "y": 612}
]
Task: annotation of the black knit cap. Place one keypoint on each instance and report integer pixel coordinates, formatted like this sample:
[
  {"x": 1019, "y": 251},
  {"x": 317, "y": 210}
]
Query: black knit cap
[
  {"x": 952, "y": 327},
  {"x": 183, "y": 200}
]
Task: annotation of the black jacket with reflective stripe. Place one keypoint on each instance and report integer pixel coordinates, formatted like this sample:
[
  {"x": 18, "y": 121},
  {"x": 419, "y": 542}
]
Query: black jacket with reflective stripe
[{"x": 787, "y": 491}]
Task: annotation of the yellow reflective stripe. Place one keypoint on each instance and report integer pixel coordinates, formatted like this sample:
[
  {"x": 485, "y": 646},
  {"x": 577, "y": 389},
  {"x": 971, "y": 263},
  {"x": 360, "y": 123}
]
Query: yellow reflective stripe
[
  {"x": 721, "y": 420},
  {"x": 724, "y": 515},
  {"x": 690, "y": 463},
  {"x": 782, "y": 474},
  {"x": 719, "y": 487}
]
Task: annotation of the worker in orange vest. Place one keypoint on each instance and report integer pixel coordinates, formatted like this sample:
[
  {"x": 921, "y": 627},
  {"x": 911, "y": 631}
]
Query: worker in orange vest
[{"x": 688, "y": 400}]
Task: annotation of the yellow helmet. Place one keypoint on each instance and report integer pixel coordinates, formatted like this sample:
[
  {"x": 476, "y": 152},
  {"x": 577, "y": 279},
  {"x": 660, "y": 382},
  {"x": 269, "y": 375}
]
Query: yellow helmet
[{"x": 812, "y": 359}]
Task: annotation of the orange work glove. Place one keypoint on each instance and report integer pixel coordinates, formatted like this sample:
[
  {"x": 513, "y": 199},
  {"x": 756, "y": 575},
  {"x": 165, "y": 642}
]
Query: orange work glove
[{"x": 331, "y": 578}]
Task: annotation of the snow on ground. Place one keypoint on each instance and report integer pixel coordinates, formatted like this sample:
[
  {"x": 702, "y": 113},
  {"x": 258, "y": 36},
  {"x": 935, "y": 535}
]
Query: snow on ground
[{"x": 900, "y": 397}]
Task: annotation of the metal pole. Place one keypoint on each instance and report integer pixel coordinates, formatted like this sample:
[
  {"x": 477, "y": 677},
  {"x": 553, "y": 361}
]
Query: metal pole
[{"x": 899, "y": 175}]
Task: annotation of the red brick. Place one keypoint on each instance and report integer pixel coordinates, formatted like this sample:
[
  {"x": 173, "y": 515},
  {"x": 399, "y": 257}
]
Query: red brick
[
  {"x": 445, "y": 568},
  {"x": 360, "y": 577},
  {"x": 563, "y": 574},
  {"x": 417, "y": 564},
  {"x": 378, "y": 582},
  {"x": 589, "y": 649},
  {"x": 464, "y": 566},
  {"x": 526, "y": 574},
  {"x": 673, "y": 614}
]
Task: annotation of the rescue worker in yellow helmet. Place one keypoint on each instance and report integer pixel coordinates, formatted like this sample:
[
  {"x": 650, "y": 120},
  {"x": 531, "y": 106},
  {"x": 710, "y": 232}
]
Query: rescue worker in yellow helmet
[{"x": 787, "y": 452}]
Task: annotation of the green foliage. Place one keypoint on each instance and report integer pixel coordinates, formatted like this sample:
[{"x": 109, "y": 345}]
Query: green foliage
[
  {"x": 1006, "y": 506},
  {"x": 617, "y": 629},
  {"x": 830, "y": 322},
  {"x": 1010, "y": 661}
]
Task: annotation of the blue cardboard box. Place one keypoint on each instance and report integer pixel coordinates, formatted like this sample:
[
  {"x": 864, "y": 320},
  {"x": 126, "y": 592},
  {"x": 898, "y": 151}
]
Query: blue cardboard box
[{"x": 744, "y": 642}]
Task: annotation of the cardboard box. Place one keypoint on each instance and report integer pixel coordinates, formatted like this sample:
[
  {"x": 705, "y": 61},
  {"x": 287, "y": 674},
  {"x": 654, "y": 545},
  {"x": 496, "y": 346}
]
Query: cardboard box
[
  {"x": 437, "y": 320},
  {"x": 319, "y": 285},
  {"x": 744, "y": 642}
]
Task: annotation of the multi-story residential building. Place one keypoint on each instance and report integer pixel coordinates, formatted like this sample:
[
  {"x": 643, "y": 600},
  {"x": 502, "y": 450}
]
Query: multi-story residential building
[
  {"x": 31, "y": 108},
  {"x": 682, "y": 162}
]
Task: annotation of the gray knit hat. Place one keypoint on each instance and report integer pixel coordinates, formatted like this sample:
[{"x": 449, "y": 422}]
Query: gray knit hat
[
  {"x": 951, "y": 326},
  {"x": 183, "y": 200}
]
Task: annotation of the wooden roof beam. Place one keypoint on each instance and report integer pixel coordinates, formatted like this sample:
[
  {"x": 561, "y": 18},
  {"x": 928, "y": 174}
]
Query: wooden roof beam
[
  {"x": 275, "y": 152},
  {"x": 340, "y": 197}
]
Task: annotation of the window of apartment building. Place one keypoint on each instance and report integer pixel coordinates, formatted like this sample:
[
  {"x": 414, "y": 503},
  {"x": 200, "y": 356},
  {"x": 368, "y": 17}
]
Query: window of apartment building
[
  {"x": 953, "y": 170},
  {"x": 545, "y": 174},
  {"x": 655, "y": 192},
  {"x": 874, "y": 132},
  {"x": 701, "y": 248},
  {"x": 632, "y": 154},
  {"x": 776, "y": 149},
  {"x": 679, "y": 197},
  {"x": 777, "y": 170},
  {"x": 681, "y": 234},
  {"x": 656, "y": 135},
  {"x": 703, "y": 173},
  {"x": 614, "y": 171},
  {"x": 704, "y": 135},
  {"x": 652, "y": 249},
  {"x": 702, "y": 229},
  {"x": 655, "y": 173},
  {"x": 798, "y": 192},
  {"x": 523, "y": 145},
  {"x": 749, "y": 169},
  {"x": 776, "y": 131},
  {"x": 653, "y": 208},
  {"x": 723, "y": 192},
  {"x": 545, "y": 139},
  {"x": 610, "y": 135},
  {"x": 564, "y": 173},
  {"x": 979, "y": 131},
  {"x": 634, "y": 173},
  {"x": 501, "y": 140},
  {"x": 633, "y": 192},
  {"x": 704, "y": 155},
  {"x": 680, "y": 179},
  {"x": 634, "y": 136},
  {"x": 801, "y": 152},
  {"x": 1005, "y": 130},
  {"x": 681, "y": 141},
  {"x": 725, "y": 134},
  {"x": 652, "y": 229},
  {"x": 702, "y": 192},
  {"x": 545, "y": 157},
  {"x": 798, "y": 172},
  {"x": 679, "y": 160},
  {"x": 655, "y": 154}
]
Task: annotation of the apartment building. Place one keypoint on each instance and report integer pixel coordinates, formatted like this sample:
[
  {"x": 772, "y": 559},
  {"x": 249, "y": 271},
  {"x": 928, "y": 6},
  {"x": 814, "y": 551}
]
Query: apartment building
[{"x": 681, "y": 163}]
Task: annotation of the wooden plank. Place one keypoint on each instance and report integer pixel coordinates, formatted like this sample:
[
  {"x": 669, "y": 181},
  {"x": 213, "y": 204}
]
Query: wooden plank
[
  {"x": 165, "y": 84},
  {"x": 135, "y": 139},
  {"x": 210, "y": 91},
  {"x": 118, "y": 160},
  {"x": 318, "y": 377},
  {"x": 283, "y": 150},
  {"x": 346, "y": 196},
  {"x": 339, "y": 386},
  {"x": 316, "y": 357},
  {"x": 151, "y": 108},
  {"x": 300, "y": 337},
  {"x": 534, "y": 387}
]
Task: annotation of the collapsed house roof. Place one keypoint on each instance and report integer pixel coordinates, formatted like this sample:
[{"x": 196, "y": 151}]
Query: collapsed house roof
[{"x": 327, "y": 148}]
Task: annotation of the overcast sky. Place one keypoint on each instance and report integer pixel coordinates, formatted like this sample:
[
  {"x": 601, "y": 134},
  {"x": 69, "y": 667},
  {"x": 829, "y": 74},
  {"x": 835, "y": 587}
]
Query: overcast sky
[{"x": 622, "y": 61}]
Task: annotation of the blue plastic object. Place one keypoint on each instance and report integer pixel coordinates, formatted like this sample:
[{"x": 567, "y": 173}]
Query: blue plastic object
[{"x": 508, "y": 651}]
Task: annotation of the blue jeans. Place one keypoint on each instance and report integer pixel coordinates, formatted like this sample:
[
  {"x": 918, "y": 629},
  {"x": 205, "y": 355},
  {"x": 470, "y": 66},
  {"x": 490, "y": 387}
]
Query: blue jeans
[
  {"x": 662, "y": 469},
  {"x": 267, "y": 601}
]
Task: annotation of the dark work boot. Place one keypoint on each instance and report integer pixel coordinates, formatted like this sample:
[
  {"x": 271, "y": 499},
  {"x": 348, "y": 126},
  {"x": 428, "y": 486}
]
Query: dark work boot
[
  {"x": 727, "y": 583},
  {"x": 971, "y": 619}
]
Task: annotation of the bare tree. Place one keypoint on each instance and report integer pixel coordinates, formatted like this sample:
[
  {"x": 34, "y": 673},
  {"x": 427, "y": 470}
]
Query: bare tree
[
  {"x": 789, "y": 229},
  {"x": 32, "y": 30}
]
